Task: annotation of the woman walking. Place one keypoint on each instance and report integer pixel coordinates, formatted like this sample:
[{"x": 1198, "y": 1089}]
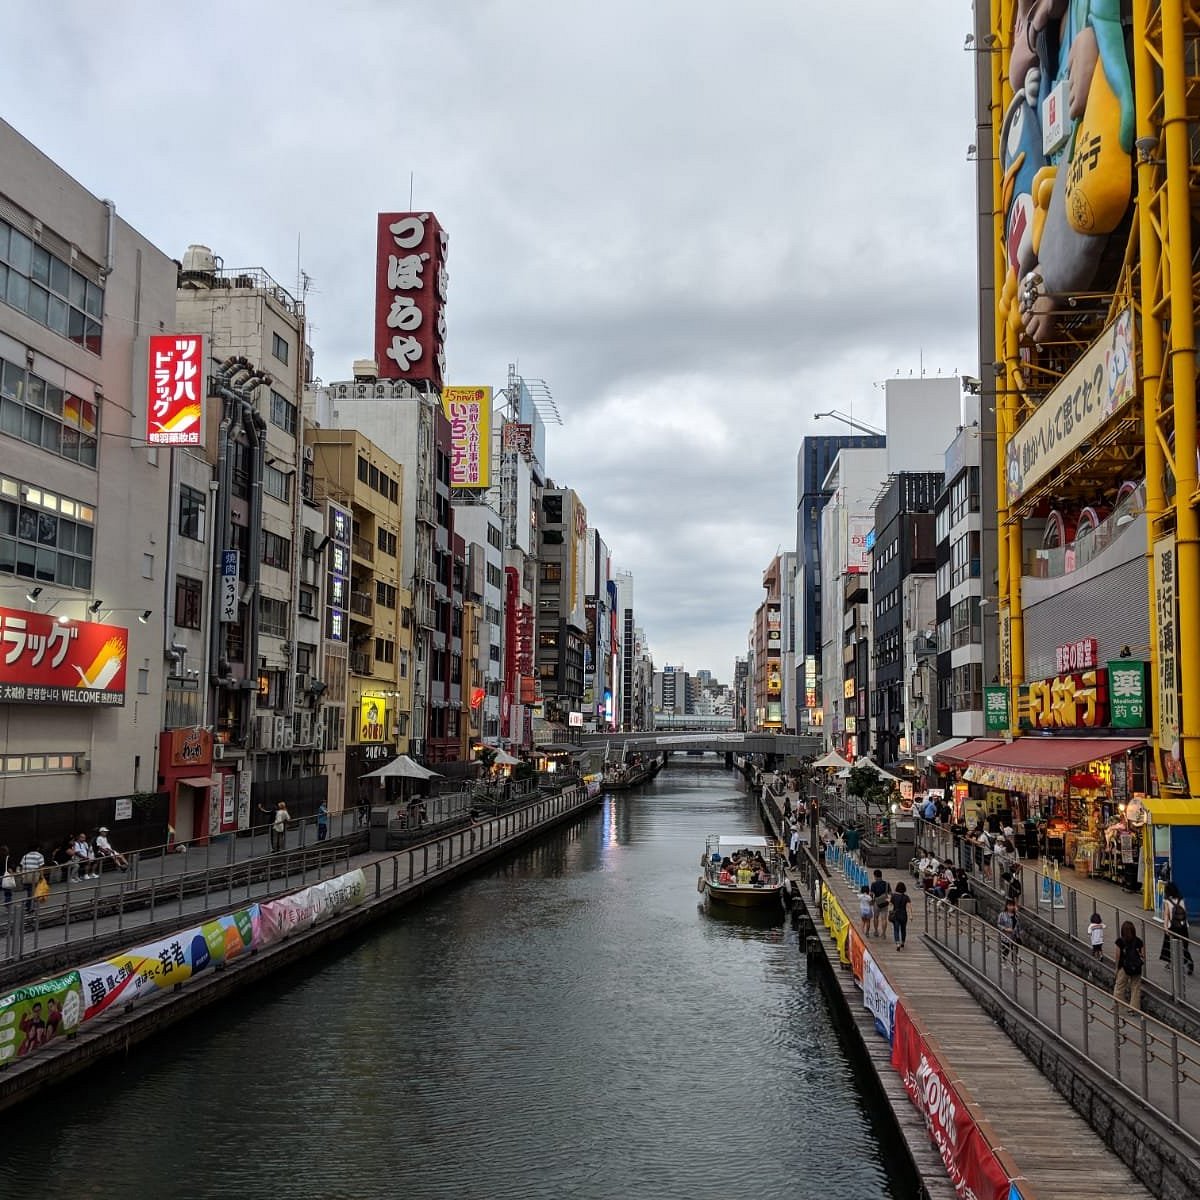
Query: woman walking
[
  {"x": 1175, "y": 925},
  {"x": 900, "y": 902}
]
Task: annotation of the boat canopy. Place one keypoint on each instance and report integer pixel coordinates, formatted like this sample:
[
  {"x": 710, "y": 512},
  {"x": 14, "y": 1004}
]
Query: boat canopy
[{"x": 742, "y": 842}]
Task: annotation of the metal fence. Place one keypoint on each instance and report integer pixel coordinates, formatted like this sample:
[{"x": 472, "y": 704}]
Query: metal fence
[
  {"x": 1068, "y": 908},
  {"x": 1148, "y": 1058}
]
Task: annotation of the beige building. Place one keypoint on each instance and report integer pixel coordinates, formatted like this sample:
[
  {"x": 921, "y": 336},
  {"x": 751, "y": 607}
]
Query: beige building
[{"x": 82, "y": 497}]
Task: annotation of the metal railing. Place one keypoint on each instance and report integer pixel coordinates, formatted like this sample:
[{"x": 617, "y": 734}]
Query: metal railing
[
  {"x": 1068, "y": 909},
  {"x": 1150, "y": 1059}
]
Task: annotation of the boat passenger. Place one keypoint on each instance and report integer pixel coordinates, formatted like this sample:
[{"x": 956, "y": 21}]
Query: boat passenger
[
  {"x": 726, "y": 876},
  {"x": 744, "y": 874}
]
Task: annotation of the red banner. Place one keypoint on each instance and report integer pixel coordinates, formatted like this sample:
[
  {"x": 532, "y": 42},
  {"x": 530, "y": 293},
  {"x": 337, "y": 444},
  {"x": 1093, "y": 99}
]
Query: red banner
[
  {"x": 410, "y": 294},
  {"x": 175, "y": 390},
  {"x": 973, "y": 1169},
  {"x": 45, "y": 661}
]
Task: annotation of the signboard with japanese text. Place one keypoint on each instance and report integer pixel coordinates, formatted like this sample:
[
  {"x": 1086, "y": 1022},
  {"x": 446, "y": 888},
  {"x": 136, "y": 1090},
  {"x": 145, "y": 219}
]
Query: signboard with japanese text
[
  {"x": 303, "y": 909},
  {"x": 1127, "y": 694},
  {"x": 995, "y": 708},
  {"x": 75, "y": 662},
  {"x": 230, "y": 567},
  {"x": 858, "y": 553},
  {"x": 517, "y": 439},
  {"x": 878, "y": 997},
  {"x": 1167, "y": 683},
  {"x": 35, "y": 1015},
  {"x": 410, "y": 297},
  {"x": 1075, "y": 701},
  {"x": 469, "y": 411},
  {"x": 176, "y": 389},
  {"x": 1101, "y": 382},
  {"x": 191, "y": 746},
  {"x": 371, "y": 724},
  {"x": 1005, "y": 631},
  {"x": 1079, "y": 655}
]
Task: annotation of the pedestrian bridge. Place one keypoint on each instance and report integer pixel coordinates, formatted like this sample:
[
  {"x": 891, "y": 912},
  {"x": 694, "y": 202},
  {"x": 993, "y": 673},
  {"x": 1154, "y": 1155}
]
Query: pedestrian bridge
[{"x": 717, "y": 741}]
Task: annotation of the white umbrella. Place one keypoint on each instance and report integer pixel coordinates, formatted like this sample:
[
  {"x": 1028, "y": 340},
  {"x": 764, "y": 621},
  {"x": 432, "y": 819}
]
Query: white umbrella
[
  {"x": 832, "y": 759},
  {"x": 503, "y": 759},
  {"x": 867, "y": 762},
  {"x": 401, "y": 767}
]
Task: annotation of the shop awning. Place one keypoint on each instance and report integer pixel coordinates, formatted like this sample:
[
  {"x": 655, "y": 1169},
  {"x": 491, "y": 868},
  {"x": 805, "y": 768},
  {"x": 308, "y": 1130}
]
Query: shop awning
[
  {"x": 969, "y": 749},
  {"x": 1051, "y": 753},
  {"x": 942, "y": 748},
  {"x": 201, "y": 781},
  {"x": 1173, "y": 810}
]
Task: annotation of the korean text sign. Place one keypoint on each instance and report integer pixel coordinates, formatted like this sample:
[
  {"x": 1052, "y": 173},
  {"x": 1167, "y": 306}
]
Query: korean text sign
[
  {"x": 410, "y": 297},
  {"x": 45, "y": 662},
  {"x": 176, "y": 389},
  {"x": 469, "y": 410}
]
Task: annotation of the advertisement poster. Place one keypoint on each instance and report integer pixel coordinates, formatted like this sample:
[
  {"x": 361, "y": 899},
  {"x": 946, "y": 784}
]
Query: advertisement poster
[
  {"x": 878, "y": 998},
  {"x": 45, "y": 661},
  {"x": 410, "y": 295},
  {"x": 305, "y": 908},
  {"x": 33, "y": 1016},
  {"x": 836, "y": 921},
  {"x": 176, "y": 390},
  {"x": 857, "y": 950},
  {"x": 972, "y": 1167},
  {"x": 469, "y": 411}
]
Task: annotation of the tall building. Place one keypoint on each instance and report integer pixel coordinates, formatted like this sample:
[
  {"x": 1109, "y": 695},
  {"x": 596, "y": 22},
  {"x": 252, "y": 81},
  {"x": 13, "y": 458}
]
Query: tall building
[
  {"x": 766, "y": 712},
  {"x": 813, "y": 461},
  {"x": 482, "y": 531},
  {"x": 600, "y": 616},
  {"x": 627, "y": 697},
  {"x": 84, "y": 544},
  {"x": 561, "y": 626}
]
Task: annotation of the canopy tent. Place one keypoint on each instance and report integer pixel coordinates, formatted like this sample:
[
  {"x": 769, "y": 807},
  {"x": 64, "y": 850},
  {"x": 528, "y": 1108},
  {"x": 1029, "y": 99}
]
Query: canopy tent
[
  {"x": 832, "y": 759},
  {"x": 402, "y": 767},
  {"x": 728, "y": 843},
  {"x": 865, "y": 761},
  {"x": 503, "y": 758}
]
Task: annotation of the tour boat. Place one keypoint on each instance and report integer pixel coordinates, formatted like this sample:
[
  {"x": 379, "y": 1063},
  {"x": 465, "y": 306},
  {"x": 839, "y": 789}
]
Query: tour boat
[
  {"x": 718, "y": 847},
  {"x": 621, "y": 777}
]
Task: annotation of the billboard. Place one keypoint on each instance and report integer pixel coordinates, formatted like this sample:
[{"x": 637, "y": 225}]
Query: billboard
[
  {"x": 469, "y": 411},
  {"x": 858, "y": 554},
  {"x": 371, "y": 713},
  {"x": 517, "y": 439},
  {"x": 410, "y": 297},
  {"x": 46, "y": 661},
  {"x": 175, "y": 390}
]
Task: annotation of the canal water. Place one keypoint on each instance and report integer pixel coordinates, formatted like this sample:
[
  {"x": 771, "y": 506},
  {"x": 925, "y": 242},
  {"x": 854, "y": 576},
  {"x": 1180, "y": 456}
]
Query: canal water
[{"x": 569, "y": 1024}]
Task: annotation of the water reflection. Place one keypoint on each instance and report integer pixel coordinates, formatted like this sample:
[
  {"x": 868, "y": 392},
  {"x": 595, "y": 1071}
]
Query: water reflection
[{"x": 570, "y": 1023}]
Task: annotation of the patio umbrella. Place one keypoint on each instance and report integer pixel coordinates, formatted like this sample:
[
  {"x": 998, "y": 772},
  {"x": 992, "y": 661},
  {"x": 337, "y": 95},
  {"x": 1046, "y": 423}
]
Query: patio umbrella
[
  {"x": 401, "y": 767},
  {"x": 832, "y": 759},
  {"x": 504, "y": 759}
]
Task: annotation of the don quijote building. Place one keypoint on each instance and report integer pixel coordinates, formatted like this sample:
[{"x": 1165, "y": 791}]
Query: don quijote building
[{"x": 83, "y": 545}]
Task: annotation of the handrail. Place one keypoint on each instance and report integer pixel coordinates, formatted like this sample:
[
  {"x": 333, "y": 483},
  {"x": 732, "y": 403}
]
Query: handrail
[{"x": 1146, "y": 1057}]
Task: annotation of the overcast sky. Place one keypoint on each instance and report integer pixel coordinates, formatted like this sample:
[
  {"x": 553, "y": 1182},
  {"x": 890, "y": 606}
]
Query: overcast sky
[{"x": 698, "y": 222}]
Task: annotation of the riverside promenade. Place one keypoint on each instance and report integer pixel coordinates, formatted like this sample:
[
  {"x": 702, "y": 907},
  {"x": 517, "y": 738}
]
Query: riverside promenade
[{"x": 1050, "y": 1151}]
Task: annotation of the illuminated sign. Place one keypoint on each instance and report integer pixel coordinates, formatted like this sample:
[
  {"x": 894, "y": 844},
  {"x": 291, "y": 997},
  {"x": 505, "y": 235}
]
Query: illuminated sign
[
  {"x": 410, "y": 295},
  {"x": 469, "y": 411},
  {"x": 44, "y": 661},
  {"x": 1075, "y": 701},
  {"x": 230, "y": 569},
  {"x": 1099, "y": 384},
  {"x": 995, "y": 708},
  {"x": 575, "y": 720},
  {"x": 371, "y": 715},
  {"x": 175, "y": 392},
  {"x": 848, "y": 689},
  {"x": 1075, "y": 656},
  {"x": 1166, "y": 609},
  {"x": 1127, "y": 693}
]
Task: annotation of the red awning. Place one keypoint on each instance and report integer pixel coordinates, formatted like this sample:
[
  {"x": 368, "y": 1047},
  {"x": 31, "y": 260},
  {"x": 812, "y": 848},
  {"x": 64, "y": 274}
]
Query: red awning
[
  {"x": 1050, "y": 753},
  {"x": 968, "y": 750}
]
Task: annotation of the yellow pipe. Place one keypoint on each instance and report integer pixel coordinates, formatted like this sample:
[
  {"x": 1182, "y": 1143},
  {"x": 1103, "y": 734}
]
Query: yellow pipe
[
  {"x": 1183, "y": 380},
  {"x": 1151, "y": 353}
]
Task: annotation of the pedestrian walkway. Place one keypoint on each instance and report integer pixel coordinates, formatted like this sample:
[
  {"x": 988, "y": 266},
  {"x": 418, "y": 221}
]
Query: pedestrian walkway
[{"x": 1058, "y": 1154}]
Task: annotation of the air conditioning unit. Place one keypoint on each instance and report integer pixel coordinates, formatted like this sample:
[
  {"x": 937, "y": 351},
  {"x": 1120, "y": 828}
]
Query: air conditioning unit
[
  {"x": 82, "y": 764},
  {"x": 218, "y": 752},
  {"x": 305, "y": 729},
  {"x": 287, "y": 740},
  {"x": 282, "y": 726},
  {"x": 264, "y": 733},
  {"x": 308, "y": 454},
  {"x": 301, "y": 683},
  {"x": 319, "y": 733}
]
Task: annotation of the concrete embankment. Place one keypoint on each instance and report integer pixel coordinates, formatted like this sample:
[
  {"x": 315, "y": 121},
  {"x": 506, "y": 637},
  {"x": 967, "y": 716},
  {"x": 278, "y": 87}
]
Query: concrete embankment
[{"x": 392, "y": 881}]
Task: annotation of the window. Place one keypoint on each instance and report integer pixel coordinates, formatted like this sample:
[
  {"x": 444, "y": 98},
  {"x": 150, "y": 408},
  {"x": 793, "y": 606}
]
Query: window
[
  {"x": 965, "y": 622},
  {"x": 279, "y": 347},
  {"x": 45, "y": 536},
  {"x": 189, "y": 602},
  {"x": 964, "y": 495},
  {"x": 551, "y": 572},
  {"x": 964, "y": 558},
  {"x": 364, "y": 469},
  {"x": 272, "y": 617},
  {"x": 393, "y": 491},
  {"x": 44, "y": 287},
  {"x": 373, "y": 478},
  {"x": 283, "y": 412},
  {"x": 495, "y": 576},
  {"x": 147, "y": 566},
  {"x": 385, "y": 651},
  {"x": 385, "y": 594},
  {"x": 387, "y": 542},
  {"x": 277, "y": 483},
  {"x": 966, "y": 687},
  {"x": 494, "y": 537},
  {"x": 45, "y": 415},
  {"x": 276, "y": 551},
  {"x": 191, "y": 513},
  {"x": 307, "y": 601}
]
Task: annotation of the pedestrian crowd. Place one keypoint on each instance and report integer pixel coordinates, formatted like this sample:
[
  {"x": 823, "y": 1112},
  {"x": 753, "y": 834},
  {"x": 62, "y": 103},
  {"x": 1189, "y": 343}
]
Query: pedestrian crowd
[{"x": 76, "y": 857}]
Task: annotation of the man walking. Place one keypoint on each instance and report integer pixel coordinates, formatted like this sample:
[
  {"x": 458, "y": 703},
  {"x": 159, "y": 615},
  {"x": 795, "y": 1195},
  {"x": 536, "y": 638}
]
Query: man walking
[{"x": 881, "y": 893}]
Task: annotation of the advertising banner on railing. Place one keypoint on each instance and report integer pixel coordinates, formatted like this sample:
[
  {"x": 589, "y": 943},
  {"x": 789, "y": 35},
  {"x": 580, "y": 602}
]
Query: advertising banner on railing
[
  {"x": 303, "y": 909},
  {"x": 160, "y": 965},
  {"x": 973, "y": 1169},
  {"x": 858, "y": 949},
  {"x": 31, "y": 1017},
  {"x": 836, "y": 921},
  {"x": 878, "y": 998}
]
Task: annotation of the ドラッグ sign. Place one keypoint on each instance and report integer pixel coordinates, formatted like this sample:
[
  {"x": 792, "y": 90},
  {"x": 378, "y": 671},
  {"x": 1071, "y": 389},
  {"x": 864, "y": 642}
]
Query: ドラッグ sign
[
  {"x": 176, "y": 387},
  {"x": 44, "y": 661}
]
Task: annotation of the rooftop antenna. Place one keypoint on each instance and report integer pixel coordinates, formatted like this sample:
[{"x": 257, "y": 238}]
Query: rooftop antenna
[{"x": 410, "y": 190}]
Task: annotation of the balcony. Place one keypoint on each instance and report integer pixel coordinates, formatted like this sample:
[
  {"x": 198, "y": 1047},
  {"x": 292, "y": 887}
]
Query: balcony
[
  {"x": 425, "y": 510},
  {"x": 424, "y": 568},
  {"x": 363, "y": 549},
  {"x": 360, "y": 664},
  {"x": 361, "y": 604},
  {"x": 426, "y": 615}
]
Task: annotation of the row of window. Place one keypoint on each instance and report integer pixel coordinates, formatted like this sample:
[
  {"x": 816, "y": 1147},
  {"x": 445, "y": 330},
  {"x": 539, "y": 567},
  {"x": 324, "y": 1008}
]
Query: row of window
[
  {"x": 45, "y": 537},
  {"x": 964, "y": 558},
  {"x": 379, "y": 481},
  {"x": 44, "y": 287},
  {"x": 27, "y": 764},
  {"x": 45, "y": 415},
  {"x": 385, "y": 594}
]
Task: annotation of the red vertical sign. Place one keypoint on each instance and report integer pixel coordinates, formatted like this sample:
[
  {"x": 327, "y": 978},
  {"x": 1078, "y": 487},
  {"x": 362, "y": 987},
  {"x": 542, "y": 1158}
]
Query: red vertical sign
[
  {"x": 175, "y": 390},
  {"x": 410, "y": 298}
]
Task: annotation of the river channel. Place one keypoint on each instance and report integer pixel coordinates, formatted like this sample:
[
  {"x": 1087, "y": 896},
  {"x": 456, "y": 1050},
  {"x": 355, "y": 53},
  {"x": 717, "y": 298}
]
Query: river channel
[{"x": 570, "y": 1023}]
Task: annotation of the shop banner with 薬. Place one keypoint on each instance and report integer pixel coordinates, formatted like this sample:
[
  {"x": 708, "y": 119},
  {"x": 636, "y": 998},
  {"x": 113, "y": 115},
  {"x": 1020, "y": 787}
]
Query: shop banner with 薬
[
  {"x": 836, "y": 921},
  {"x": 973, "y": 1168},
  {"x": 879, "y": 998},
  {"x": 303, "y": 909},
  {"x": 33, "y": 1016},
  {"x": 995, "y": 708},
  {"x": 157, "y": 966},
  {"x": 1127, "y": 694}
]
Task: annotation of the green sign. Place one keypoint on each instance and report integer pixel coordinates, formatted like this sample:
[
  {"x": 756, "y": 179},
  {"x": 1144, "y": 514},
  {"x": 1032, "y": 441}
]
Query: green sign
[
  {"x": 1127, "y": 694},
  {"x": 995, "y": 708},
  {"x": 33, "y": 1016}
]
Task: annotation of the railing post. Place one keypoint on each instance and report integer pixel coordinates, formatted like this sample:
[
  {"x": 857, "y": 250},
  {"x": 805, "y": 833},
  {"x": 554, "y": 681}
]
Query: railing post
[
  {"x": 1072, "y": 912},
  {"x": 1058, "y": 1000},
  {"x": 1086, "y": 1006},
  {"x": 1146, "y": 1060}
]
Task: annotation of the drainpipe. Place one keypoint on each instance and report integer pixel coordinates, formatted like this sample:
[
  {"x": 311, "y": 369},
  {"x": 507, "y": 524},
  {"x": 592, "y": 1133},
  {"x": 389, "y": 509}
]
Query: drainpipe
[
  {"x": 255, "y": 429},
  {"x": 110, "y": 238}
]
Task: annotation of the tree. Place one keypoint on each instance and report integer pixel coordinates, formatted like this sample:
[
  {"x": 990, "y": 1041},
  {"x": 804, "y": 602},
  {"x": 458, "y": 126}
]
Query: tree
[{"x": 869, "y": 786}]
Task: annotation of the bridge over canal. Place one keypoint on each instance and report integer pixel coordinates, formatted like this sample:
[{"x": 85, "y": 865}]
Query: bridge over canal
[{"x": 780, "y": 745}]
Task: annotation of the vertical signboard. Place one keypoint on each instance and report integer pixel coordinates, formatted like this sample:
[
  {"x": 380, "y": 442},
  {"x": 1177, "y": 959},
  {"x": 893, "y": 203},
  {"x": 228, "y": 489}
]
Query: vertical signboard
[
  {"x": 410, "y": 298},
  {"x": 995, "y": 709},
  {"x": 337, "y": 581},
  {"x": 1005, "y": 624},
  {"x": 469, "y": 411},
  {"x": 1127, "y": 694},
  {"x": 1167, "y": 683},
  {"x": 175, "y": 390},
  {"x": 230, "y": 567}
]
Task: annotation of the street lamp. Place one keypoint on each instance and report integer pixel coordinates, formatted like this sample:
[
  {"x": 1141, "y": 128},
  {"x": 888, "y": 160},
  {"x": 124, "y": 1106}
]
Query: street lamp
[{"x": 862, "y": 426}]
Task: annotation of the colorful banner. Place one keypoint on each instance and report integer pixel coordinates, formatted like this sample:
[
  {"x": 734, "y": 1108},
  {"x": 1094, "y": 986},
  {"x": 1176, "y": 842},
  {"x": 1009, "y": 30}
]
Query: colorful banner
[
  {"x": 469, "y": 411},
  {"x": 47, "y": 661},
  {"x": 157, "y": 966},
  {"x": 836, "y": 921},
  {"x": 878, "y": 997},
  {"x": 303, "y": 909},
  {"x": 33, "y": 1016},
  {"x": 857, "y": 949},
  {"x": 972, "y": 1167},
  {"x": 176, "y": 389}
]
